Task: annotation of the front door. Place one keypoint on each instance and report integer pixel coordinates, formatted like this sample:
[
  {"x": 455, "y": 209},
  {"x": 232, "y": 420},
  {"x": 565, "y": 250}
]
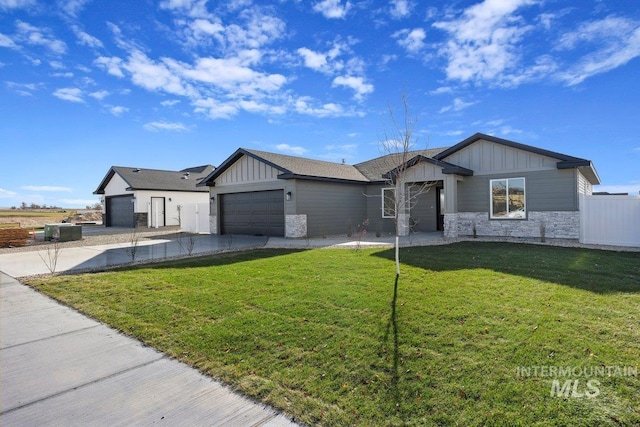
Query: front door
[
  {"x": 157, "y": 212},
  {"x": 440, "y": 207}
]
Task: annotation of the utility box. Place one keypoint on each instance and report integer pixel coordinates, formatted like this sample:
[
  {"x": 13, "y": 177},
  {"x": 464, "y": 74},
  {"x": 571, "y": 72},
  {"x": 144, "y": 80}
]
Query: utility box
[{"x": 62, "y": 232}]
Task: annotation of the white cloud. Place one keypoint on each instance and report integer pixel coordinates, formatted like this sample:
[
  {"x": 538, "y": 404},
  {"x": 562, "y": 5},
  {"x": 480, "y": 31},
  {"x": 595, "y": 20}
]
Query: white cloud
[
  {"x": 69, "y": 94},
  {"x": 158, "y": 126},
  {"x": 302, "y": 106},
  {"x": 617, "y": 41},
  {"x": 332, "y": 9},
  {"x": 215, "y": 109},
  {"x": 325, "y": 62},
  {"x": 286, "y": 148},
  {"x": 16, "y": 4},
  {"x": 153, "y": 75},
  {"x": 99, "y": 95},
  {"x": 411, "y": 40},
  {"x": 67, "y": 75},
  {"x": 40, "y": 37},
  {"x": 112, "y": 65},
  {"x": 400, "y": 8},
  {"x": 6, "y": 193},
  {"x": 169, "y": 103},
  {"x": 483, "y": 41},
  {"x": 451, "y": 133},
  {"x": 46, "y": 188},
  {"x": 73, "y": 7},
  {"x": 356, "y": 83},
  {"x": 258, "y": 29},
  {"x": 6, "y": 41},
  {"x": 22, "y": 89},
  {"x": 118, "y": 110},
  {"x": 441, "y": 90},
  {"x": 193, "y": 8},
  {"x": 458, "y": 105},
  {"x": 85, "y": 38}
]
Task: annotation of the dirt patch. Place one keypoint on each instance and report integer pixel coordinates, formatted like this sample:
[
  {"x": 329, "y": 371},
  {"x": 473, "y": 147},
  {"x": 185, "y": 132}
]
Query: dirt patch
[{"x": 31, "y": 221}]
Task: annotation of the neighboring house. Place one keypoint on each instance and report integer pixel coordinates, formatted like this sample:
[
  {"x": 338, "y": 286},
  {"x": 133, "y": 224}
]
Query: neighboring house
[
  {"x": 484, "y": 185},
  {"x": 134, "y": 197}
]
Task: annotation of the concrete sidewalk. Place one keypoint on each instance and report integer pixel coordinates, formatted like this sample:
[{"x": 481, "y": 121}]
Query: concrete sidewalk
[{"x": 62, "y": 368}]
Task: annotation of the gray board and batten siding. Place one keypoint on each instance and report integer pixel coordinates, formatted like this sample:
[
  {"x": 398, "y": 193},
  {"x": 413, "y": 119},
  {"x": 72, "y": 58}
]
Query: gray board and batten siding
[
  {"x": 330, "y": 208},
  {"x": 545, "y": 191}
]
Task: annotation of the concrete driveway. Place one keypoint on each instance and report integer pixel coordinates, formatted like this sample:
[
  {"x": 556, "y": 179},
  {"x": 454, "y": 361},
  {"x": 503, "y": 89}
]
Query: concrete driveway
[{"x": 40, "y": 261}]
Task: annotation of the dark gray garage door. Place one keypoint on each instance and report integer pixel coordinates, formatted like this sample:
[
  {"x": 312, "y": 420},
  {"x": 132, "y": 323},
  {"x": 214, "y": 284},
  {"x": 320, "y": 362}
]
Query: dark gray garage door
[
  {"x": 120, "y": 211},
  {"x": 255, "y": 213}
]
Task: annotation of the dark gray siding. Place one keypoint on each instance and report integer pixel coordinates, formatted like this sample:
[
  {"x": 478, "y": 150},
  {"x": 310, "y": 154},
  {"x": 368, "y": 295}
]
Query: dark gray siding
[
  {"x": 553, "y": 190},
  {"x": 330, "y": 207},
  {"x": 374, "y": 210}
]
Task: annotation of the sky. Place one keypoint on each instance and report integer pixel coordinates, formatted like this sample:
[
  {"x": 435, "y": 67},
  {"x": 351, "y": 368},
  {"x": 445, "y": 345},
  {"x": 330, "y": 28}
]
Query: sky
[{"x": 171, "y": 84}]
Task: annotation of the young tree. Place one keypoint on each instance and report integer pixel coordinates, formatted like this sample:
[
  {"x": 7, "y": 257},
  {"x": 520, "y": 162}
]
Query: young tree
[{"x": 400, "y": 147}]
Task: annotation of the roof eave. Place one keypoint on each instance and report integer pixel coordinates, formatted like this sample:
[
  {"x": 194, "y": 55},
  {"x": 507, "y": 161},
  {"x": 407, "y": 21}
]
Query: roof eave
[
  {"x": 290, "y": 175},
  {"x": 584, "y": 166},
  {"x": 478, "y": 136}
]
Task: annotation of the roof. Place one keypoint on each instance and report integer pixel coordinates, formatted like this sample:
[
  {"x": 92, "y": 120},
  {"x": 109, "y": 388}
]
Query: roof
[
  {"x": 383, "y": 167},
  {"x": 156, "y": 179},
  {"x": 293, "y": 167},
  {"x": 375, "y": 169},
  {"x": 565, "y": 162}
]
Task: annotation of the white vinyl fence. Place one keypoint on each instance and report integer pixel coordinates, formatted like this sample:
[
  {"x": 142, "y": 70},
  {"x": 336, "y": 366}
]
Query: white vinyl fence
[
  {"x": 194, "y": 217},
  {"x": 610, "y": 220}
]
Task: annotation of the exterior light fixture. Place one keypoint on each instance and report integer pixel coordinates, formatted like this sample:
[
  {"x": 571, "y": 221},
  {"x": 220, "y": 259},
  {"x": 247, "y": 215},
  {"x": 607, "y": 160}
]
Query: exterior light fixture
[{"x": 289, "y": 194}]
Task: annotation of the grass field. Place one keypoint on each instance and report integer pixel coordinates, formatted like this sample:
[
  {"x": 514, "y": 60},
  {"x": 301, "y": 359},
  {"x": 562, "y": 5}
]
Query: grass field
[
  {"x": 325, "y": 335},
  {"x": 35, "y": 219},
  {"x": 31, "y": 214}
]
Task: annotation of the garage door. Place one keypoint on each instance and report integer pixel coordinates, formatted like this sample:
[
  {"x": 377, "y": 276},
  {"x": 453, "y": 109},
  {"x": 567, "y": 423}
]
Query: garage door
[
  {"x": 256, "y": 213},
  {"x": 120, "y": 211}
]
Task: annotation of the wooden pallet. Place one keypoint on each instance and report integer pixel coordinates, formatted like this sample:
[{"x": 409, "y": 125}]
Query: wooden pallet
[{"x": 11, "y": 237}]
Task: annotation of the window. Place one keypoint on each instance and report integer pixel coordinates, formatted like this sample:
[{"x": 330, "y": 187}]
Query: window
[
  {"x": 388, "y": 203},
  {"x": 508, "y": 198}
]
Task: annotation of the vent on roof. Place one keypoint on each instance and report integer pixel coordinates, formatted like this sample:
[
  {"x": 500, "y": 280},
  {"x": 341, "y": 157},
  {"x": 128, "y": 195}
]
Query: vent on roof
[
  {"x": 185, "y": 176},
  {"x": 136, "y": 170}
]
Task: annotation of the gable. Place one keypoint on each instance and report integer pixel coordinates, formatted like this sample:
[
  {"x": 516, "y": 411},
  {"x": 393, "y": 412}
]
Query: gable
[
  {"x": 424, "y": 171},
  {"x": 247, "y": 170},
  {"x": 116, "y": 185},
  {"x": 487, "y": 157}
]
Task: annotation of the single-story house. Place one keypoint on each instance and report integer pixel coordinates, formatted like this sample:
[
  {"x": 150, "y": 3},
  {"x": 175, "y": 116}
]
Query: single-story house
[
  {"x": 484, "y": 185},
  {"x": 135, "y": 197}
]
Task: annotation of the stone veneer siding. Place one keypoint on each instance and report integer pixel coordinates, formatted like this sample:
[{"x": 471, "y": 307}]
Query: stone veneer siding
[
  {"x": 213, "y": 224},
  {"x": 557, "y": 225},
  {"x": 295, "y": 226},
  {"x": 141, "y": 220}
]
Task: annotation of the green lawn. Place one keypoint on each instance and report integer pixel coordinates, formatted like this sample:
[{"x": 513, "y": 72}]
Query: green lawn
[{"x": 322, "y": 334}]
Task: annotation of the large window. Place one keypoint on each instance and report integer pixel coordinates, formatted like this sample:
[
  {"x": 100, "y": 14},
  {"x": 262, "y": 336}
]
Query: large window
[
  {"x": 508, "y": 198},
  {"x": 388, "y": 203}
]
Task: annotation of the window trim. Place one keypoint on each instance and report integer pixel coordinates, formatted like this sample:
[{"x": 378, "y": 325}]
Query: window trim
[
  {"x": 507, "y": 217},
  {"x": 383, "y": 198}
]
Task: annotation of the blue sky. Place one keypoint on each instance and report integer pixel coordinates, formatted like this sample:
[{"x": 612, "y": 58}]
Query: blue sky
[{"x": 170, "y": 84}]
